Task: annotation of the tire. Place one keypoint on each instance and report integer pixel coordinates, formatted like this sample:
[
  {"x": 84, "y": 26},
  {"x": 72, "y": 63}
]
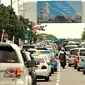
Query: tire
[
  {"x": 47, "y": 78},
  {"x": 55, "y": 69},
  {"x": 75, "y": 67},
  {"x": 78, "y": 69},
  {"x": 52, "y": 71},
  {"x": 84, "y": 72},
  {"x": 69, "y": 65},
  {"x": 63, "y": 67},
  {"x": 50, "y": 74}
]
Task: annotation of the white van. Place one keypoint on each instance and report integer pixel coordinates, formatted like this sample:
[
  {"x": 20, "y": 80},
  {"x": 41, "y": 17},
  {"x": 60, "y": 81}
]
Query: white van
[
  {"x": 81, "y": 55},
  {"x": 12, "y": 68}
]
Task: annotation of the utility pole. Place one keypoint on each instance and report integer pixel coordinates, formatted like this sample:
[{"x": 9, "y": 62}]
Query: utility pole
[
  {"x": 11, "y": 3},
  {"x": 0, "y": 1}
]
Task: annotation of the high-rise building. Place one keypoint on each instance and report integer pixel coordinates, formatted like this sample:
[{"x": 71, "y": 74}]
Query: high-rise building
[{"x": 28, "y": 10}]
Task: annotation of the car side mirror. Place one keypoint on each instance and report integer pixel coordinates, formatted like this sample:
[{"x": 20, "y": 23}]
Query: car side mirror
[
  {"x": 37, "y": 62},
  {"x": 82, "y": 60}
]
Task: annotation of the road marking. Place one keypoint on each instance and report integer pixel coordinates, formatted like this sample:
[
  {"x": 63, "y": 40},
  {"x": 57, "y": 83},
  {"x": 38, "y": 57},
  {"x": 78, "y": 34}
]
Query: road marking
[{"x": 58, "y": 74}]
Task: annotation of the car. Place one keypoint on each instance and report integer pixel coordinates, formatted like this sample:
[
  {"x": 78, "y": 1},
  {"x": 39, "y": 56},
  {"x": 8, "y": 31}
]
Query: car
[
  {"x": 12, "y": 68},
  {"x": 81, "y": 57},
  {"x": 84, "y": 68},
  {"x": 47, "y": 60},
  {"x": 72, "y": 55},
  {"x": 42, "y": 69},
  {"x": 28, "y": 57},
  {"x": 67, "y": 49},
  {"x": 51, "y": 58}
]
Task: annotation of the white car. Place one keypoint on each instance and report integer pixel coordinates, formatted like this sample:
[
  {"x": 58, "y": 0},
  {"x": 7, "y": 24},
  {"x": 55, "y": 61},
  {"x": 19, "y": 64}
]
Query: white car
[
  {"x": 72, "y": 55},
  {"x": 67, "y": 49},
  {"x": 81, "y": 55},
  {"x": 42, "y": 70},
  {"x": 47, "y": 61},
  {"x": 12, "y": 68}
]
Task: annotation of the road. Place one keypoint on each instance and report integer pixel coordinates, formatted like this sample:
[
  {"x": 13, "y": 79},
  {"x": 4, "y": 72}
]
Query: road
[{"x": 67, "y": 76}]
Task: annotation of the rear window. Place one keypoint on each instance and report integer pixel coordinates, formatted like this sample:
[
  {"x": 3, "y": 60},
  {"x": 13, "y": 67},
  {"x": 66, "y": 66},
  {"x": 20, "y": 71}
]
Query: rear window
[
  {"x": 41, "y": 60},
  {"x": 74, "y": 52},
  {"x": 45, "y": 52},
  {"x": 68, "y": 48},
  {"x": 82, "y": 52},
  {"x": 8, "y": 55}
]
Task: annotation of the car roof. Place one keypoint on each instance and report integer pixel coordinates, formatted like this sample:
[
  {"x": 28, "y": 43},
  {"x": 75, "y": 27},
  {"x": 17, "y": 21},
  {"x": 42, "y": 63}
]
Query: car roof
[
  {"x": 74, "y": 48},
  {"x": 71, "y": 46},
  {"x": 14, "y": 46}
]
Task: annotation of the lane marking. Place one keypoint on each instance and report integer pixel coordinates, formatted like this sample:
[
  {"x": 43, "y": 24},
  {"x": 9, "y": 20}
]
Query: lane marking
[{"x": 58, "y": 74}]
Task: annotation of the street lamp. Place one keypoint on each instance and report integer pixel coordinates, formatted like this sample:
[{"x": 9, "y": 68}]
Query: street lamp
[{"x": 2, "y": 37}]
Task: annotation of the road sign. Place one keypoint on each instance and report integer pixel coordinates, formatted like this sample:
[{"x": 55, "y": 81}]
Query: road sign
[{"x": 26, "y": 35}]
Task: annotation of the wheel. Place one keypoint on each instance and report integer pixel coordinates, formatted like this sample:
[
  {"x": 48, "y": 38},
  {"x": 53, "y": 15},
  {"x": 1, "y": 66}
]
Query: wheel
[
  {"x": 75, "y": 67},
  {"x": 63, "y": 67},
  {"x": 84, "y": 72},
  {"x": 69, "y": 65},
  {"x": 47, "y": 78},
  {"x": 55, "y": 69},
  {"x": 78, "y": 69},
  {"x": 50, "y": 74},
  {"x": 52, "y": 71}
]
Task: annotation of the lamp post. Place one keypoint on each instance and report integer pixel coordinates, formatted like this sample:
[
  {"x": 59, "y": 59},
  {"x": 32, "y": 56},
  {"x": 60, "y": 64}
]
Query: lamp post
[{"x": 2, "y": 37}]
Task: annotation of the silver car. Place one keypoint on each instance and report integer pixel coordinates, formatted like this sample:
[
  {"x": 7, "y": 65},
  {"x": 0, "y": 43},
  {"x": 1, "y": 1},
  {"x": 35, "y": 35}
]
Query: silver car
[{"x": 12, "y": 68}]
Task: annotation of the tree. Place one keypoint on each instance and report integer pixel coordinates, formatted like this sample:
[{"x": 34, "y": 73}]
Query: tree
[
  {"x": 83, "y": 35},
  {"x": 43, "y": 36}
]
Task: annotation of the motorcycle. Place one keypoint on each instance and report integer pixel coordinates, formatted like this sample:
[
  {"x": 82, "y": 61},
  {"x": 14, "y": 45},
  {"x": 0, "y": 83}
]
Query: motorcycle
[
  {"x": 62, "y": 61},
  {"x": 63, "y": 64}
]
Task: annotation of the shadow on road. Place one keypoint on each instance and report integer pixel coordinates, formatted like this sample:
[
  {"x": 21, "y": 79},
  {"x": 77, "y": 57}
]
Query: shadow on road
[{"x": 44, "y": 81}]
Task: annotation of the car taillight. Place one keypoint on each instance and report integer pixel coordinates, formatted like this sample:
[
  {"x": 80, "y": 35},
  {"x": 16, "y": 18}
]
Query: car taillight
[
  {"x": 13, "y": 72},
  {"x": 19, "y": 71},
  {"x": 44, "y": 67}
]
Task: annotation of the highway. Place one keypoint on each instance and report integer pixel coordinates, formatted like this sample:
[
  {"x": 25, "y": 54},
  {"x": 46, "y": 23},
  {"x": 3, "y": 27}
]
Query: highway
[{"x": 67, "y": 76}]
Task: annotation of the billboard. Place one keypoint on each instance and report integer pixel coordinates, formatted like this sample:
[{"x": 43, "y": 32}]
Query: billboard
[{"x": 59, "y": 12}]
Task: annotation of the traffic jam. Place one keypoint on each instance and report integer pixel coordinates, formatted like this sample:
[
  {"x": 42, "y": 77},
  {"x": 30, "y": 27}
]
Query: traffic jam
[{"x": 24, "y": 65}]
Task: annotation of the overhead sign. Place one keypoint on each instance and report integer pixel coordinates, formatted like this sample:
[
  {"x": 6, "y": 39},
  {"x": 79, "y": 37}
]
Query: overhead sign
[{"x": 59, "y": 11}]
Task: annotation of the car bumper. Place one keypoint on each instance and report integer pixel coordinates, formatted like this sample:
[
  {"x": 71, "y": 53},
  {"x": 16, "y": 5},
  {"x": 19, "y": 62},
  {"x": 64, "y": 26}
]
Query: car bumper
[{"x": 42, "y": 72}]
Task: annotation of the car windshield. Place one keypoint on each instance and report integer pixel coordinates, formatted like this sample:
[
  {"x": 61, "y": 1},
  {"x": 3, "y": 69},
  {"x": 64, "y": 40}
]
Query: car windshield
[
  {"x": 82, "y": 52},
  {"x": 68, "y": 48},
  {"x": 73, "y": 52},
  {"x": 41, "y": 60},
  {"x": 8, "y": 55}
]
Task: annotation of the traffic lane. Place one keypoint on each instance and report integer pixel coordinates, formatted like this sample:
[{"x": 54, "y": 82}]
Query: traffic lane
[
  {"x": 52, "y": 80},
  {"x": 70, "y": 76}
]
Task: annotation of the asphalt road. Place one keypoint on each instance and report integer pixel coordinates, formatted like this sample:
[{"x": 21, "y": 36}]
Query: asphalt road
[{"x": 67, "y": 76}]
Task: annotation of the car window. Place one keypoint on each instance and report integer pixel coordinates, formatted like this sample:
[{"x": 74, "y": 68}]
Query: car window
[
  {"x": 74, "y": 52},
  {"x": 68, "y": 48},
  {"x": 82, "y": 52},
  {"x": 8, "y": 55},
  {"x": 41, "y": 60}
]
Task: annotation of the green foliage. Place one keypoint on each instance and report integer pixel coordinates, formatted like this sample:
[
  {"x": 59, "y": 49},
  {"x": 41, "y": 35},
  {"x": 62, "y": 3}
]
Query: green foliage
[
  {"x": 11, "y": 23},
  {"x": 83, "y": 35},
  {"x": 46, "y": 36}
]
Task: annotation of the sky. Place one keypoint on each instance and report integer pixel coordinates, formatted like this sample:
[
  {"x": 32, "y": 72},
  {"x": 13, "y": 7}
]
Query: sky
[{"x": 69, "y": 30}]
